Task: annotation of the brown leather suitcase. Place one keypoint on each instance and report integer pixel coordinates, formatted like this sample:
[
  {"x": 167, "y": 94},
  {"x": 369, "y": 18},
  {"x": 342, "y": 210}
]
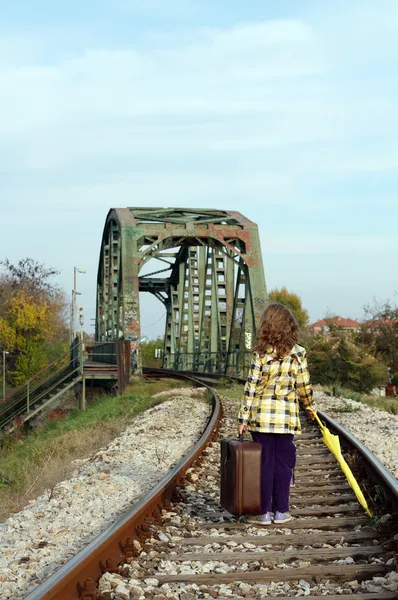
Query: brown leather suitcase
[{"x": 240, "y": 476}]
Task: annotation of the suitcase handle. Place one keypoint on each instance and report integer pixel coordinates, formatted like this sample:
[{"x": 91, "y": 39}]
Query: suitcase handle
[{"x": 240, "y": 439}]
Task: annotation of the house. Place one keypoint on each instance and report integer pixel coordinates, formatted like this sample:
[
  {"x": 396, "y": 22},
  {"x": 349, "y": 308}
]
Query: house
[
  {"x": 322, "y": 326},
  {"x": 380, "y": 324}
]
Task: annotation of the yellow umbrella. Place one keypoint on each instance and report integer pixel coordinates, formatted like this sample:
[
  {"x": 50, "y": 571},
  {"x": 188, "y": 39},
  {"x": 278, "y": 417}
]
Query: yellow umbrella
[{"x": 333, "y": 443}]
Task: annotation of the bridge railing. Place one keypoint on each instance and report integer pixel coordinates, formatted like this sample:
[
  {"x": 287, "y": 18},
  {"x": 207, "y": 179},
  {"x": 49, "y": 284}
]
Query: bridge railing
[
  {"x": 236, "y": 363},
  {"x": 42, "y": 385},
  {"x": 102, "y": 352},
  {"x": 114, "y": 354}
]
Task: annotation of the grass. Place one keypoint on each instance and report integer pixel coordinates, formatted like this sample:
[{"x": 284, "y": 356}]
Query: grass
[
  {"x": 232, "y": 391},
  {"x": 34, "y": 464},
  {"x": 385, "y": 403}
]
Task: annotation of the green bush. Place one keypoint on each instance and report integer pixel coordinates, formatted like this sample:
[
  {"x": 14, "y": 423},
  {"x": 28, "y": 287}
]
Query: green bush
[
  {"x": 322, "y": 362},
  {"x": 148, "y": 352},
  {"x": 338, "y": 359}
]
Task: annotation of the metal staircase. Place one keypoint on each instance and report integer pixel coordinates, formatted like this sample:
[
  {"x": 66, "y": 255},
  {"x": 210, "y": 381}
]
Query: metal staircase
[
  {"x": 41, "y": 390},
  {"x": 104, "y": 364}
]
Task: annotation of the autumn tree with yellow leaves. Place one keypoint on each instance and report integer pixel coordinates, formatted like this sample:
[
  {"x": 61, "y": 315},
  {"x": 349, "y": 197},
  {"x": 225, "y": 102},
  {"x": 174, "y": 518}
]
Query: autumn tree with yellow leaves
[
  {"x": 32, "y": 318},
  {"x": 293, "y": 302}
]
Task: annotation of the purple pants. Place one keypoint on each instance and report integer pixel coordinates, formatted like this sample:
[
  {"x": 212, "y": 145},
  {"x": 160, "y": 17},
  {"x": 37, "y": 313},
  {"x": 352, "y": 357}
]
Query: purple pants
[{"x": 277, "y": 463}]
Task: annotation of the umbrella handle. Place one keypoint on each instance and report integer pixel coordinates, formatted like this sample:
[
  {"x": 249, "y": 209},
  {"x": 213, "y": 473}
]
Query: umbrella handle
[{"x": 321, "y": 425}]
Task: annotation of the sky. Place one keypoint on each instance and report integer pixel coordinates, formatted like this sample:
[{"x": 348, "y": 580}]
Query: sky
[{"x": 285, "y": 111}]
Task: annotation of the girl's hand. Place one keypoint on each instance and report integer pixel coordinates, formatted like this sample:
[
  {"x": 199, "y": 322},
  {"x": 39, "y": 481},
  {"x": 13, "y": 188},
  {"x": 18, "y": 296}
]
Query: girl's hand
[
  {"x": 241, "y": 429},
  {"x": 310, "y": 413}
]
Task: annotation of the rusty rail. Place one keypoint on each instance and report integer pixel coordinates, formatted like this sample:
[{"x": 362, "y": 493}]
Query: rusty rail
[
  {"x": 79, "y": 575},
  {"x": 375, "y": 469}
]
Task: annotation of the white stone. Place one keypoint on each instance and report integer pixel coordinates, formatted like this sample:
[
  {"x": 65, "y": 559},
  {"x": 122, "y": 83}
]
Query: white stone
[
  {"x": 151, "y": 581},
  {"x": 385, "y": 518},
  {"x": 224, "y": 589},
  {"x": 136, "y": 593},
  {"x": 370, "y": 587},
  {"x": 122, "y": 592},
  {"x": 305, "y": 586}
]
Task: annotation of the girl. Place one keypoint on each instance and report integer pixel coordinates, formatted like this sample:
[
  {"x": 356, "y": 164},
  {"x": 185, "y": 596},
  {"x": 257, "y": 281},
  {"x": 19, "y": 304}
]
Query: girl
[{"x": 277, "y": 378}]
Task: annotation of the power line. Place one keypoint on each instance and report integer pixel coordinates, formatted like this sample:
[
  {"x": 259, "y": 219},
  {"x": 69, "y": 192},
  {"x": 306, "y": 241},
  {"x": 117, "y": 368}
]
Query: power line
[{"x": 162, "y": 317}]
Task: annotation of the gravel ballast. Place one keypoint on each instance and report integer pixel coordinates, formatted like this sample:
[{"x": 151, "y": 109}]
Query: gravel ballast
[
  {"x": 140, "y": 578},
  {"x": 36, "y": 541},
  {"x": 55, "y": 526}
]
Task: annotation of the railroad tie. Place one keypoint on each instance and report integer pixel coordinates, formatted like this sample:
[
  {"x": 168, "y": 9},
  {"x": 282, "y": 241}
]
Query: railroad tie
[
  {"x": 312, "y": 573},
  {"x": 330, "y": 545}
]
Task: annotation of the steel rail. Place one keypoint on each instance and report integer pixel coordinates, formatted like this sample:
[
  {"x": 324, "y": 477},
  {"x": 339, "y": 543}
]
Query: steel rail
[
  {"x": 375, "y": 469},
  {"x": 204, "y": 377},
  {"x": 377, "y": 472},
  {"x": 87, "y": 566}
]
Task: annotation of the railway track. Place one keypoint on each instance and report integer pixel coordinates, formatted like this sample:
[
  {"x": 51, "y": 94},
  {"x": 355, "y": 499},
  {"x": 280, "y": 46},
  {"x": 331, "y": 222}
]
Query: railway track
[{"x": 179, "y": 543}]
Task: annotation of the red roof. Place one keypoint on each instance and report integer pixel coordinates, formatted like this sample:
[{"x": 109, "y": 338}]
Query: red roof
[
  {"x": 381, "y": 322},
  {"x": 338, "y": 321}
]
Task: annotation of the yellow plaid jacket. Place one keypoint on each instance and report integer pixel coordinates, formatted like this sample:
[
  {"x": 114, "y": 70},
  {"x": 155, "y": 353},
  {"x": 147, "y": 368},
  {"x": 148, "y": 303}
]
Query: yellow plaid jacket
[{"x": 270, "y": 402}]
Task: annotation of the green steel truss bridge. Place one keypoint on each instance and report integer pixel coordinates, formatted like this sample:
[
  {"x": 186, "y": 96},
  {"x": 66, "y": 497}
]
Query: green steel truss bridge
[{"x": 208, "y": 274}]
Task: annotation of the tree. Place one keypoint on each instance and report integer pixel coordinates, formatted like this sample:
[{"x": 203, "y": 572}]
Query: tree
[
  {"x": 32, "y": 318},
  {"x": 322, "y": 361},
  {"x": 31, "y": 276},
  {"x": 7, "y": 335},
  {"x": 30, "y": 322},
  {"x": 148, "y": 352},
  {"x": 293, "y": 302},
  {"x": 379, "y": 334},
  {"x": 340, "y": 359}
]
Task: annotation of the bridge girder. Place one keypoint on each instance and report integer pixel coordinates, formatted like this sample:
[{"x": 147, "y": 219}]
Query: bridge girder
[{"x": 214, "y": 293}]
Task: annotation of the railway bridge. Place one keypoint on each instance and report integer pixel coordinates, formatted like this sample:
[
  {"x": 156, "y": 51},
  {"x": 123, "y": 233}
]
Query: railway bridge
[{"x": 208, "y": 274}]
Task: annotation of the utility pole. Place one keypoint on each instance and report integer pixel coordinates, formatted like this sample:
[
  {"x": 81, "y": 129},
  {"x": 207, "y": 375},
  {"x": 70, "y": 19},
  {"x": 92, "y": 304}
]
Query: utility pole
[
  {"x": 74, "y": 294},
  {"x": 4, "y": 372}
]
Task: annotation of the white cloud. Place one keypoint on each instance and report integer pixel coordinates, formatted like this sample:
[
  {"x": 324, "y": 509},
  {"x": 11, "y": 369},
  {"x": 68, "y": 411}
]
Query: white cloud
[
  {"x": 255, "y": 88},
  {"x": 240, "y": 117},
  {"x": 216, "y": 74}
]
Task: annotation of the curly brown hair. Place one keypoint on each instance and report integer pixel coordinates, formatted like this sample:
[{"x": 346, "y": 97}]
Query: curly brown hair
[{"x": 278, "y": 329}]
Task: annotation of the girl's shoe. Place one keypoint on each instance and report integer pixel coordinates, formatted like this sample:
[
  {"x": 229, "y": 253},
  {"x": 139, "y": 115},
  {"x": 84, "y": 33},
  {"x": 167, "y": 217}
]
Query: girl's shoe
[
  {"x": 261, "y": 520},
  {"x": 280, "y": 518}
]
